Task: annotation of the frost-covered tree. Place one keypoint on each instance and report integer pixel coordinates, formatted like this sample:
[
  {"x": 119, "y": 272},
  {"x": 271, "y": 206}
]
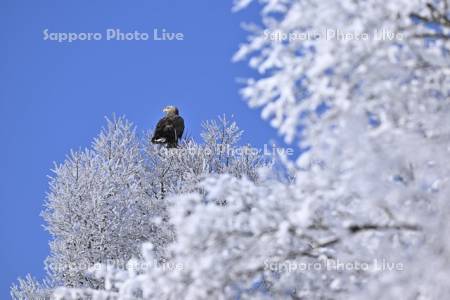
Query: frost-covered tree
[
  {"x": 373, "y": 112},
  {"x": 304, "y": 68},
  {"x": 99, "y": 208},
  {"x": 106, "y": 201},
  {"x": 371, "y": 187},
  {"x": 30, "y": 288}
]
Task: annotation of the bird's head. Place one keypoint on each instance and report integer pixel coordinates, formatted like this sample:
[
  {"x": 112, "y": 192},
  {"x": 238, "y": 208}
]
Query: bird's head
[{"x": 170, "y": 110}]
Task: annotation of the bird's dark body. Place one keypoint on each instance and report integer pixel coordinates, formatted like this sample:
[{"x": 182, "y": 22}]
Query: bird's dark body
[{"x": 169, "y": 130}]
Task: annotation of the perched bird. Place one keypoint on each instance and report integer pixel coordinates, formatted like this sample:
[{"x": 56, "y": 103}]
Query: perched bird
[{"x": 169, "y": 129}]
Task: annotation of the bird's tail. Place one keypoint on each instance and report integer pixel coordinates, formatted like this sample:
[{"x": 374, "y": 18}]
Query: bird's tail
[{"x": 156, "y": 140}]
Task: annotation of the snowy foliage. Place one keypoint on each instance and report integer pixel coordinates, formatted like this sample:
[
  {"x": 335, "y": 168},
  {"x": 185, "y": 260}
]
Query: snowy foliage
[
  {"x": 106, "y": 201},
  {"x": 30, "y": 288},
  {"x": 388, "y": 78},
  {"x": 99, "y": 208},
  {"x": 374, "y": 114}
]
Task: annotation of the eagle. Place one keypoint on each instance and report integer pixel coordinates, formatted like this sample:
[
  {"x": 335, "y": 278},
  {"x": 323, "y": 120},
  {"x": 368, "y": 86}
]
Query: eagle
[{"x": 169, "y": 129}]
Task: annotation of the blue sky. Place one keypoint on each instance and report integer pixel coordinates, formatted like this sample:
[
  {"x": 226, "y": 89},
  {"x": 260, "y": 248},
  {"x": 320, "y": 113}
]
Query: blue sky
[{"x": 54, "y": 96}]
